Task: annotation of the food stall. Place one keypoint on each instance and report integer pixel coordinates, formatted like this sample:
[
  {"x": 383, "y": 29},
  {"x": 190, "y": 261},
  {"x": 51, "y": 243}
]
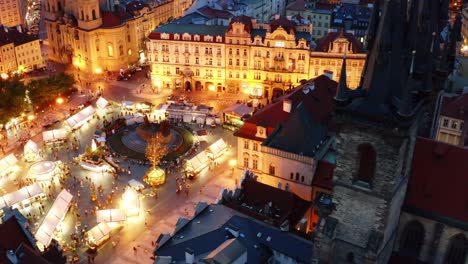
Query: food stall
[
  {"x": 99, "y": 234},
  {"x": 8, "y": 165},
  {"x": 31, "y": 151},
  {"x": 43, "y": 170},
  {"x": 80, "y": 118},
  {"x": 217, "y": 149},
  {"x": 54, "y": 136},
  {"x": 130, "y": 202},
  {"x": 196, "y": 164},
  {"x": 110, "y": 215}
]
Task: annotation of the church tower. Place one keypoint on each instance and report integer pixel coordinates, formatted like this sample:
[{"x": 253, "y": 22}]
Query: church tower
[
  {"x": 89, "y": 14},
  {"x": 377, "y": 126},
  {"x": 53, "y": 9}
]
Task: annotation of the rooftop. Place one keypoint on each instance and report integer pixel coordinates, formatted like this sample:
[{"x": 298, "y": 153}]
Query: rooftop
[
  {"x": 12, "y": 35},
  {"x": 455, "y": 107},
  {"x": 210, "y": 229},
  {"x": 438, "y": 181},
  {"x": 324, "y": 43}
]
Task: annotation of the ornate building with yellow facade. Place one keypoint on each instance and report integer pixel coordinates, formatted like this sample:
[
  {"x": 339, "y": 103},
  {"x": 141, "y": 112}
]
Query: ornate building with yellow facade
[
  {"x": 99, "y": 35},
  {"x": 263, "y": 60}
]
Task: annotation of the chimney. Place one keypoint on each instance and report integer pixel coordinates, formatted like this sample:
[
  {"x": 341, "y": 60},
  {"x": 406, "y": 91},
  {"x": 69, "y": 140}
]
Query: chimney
[
  {"x": 287, "y": 105},
  {"x": 189, "y": 256}
]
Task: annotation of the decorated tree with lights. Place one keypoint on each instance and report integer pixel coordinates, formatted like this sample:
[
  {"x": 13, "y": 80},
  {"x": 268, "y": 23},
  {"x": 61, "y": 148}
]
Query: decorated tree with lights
[{"x": 155, "y": 151}]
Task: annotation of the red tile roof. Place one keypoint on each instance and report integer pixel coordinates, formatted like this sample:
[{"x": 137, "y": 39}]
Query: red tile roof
[
  {"x": 324, "y": 43},
  {"x": 114, "y": 19},
  {"x": 247, "y": 21},
  {"x": 291, "y": 206},
  {"x": 13, "y": 236},
  {"x": 455, "y": 107},
  {"x": 324, "y": 175},
  {"x": 438, "y": 182},
  {"x": 298, "y": 5},
  {"x": 214, "y": 13},
  {"x": 319, "y": 103}
]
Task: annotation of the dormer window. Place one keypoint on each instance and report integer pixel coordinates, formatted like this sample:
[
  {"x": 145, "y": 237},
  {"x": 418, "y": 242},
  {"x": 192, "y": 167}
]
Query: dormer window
[
  {"x": 176, "y": 36},
  {"x": 197, "y": 38},
  {"x": 164, "y": 36},
  {"x": 186, "y": 37},
  {"x": 219, "y": 39},
  {"x": 261, "y": 132}
]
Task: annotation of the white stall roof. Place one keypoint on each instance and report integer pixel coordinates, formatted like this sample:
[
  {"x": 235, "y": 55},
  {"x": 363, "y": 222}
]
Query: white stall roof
[
  {"x": 199, "y": 160},
  {"x": 110, "y": 215},
  {"x": 128, "y": 104},
  {"x": 20, "y": 195},
  {"x": 53, "y": 218},
  {"x": 101, "y": 103},
  {"x": 81, "y": 117},
  {"x": 217, "y": 147},
  {"x": 7, "y": 162},
  {"x": 99, "y": 231},
  {"x": 31, "y": 146},
  {"x": 52, "y": 135}
]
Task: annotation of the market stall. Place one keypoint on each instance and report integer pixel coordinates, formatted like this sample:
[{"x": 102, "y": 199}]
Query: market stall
[
  {"x": 53, "y": 219},
  {"x": 99, "y": 234},
  {"x": 110, "y": 215},
  {"x": 22, "y": 197},
  {"x": 31, "y": 151},
  {"x": 54, "y": 136},
  {"x": 43, "y": 170},
  {"x": 217, "y": 149},
  {"x": 102, "y": 103},
  {"x": 235, "y": 114},
  {"x": 130, "y": 202},
  {"x": 8, "y": 164},
  {"x": 98, "y": 167},
  {"x": 196, "y": 164},
  {"x": 202, "y": 134},
  {"x": 78, "y": 119}
]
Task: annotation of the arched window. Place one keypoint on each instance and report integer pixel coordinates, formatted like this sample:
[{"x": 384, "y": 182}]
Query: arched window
[
  {"x": 457, "y": 250},
  {"x": 292, "y": 176},
  {"x": 272, "y": 169},
  {"x": 82, "y": 15},
  {"x": 366, "y": 166},
  {"x": 59, "y": 6},
  {"x": 297, "y": 176},
  {"x": 110, "y": 50},
  {"x": 48, "y": 6},
  {"x": 94, "y": 14},
  {"x": 412, "y": 239},
  {"x": 121, "y": 50},
  {"x": 246, "y": 160}
]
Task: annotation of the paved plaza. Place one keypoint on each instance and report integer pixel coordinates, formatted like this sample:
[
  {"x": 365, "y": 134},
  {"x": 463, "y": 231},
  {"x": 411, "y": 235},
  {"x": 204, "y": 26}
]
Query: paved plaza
[{"x": 160, "y": 213}]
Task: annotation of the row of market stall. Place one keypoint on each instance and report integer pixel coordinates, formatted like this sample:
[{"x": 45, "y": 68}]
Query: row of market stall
[{"x": 196, "y": 164}]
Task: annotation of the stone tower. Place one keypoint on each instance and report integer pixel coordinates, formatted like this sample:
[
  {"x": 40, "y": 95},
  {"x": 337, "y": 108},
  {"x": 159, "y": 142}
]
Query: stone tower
[
  {"x": 89, "y": 14},
  {"x": 53, "y": 9},
  {"x": 377, "y": 127}
]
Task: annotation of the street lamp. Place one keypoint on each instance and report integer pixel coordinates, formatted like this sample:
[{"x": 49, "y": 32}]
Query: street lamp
[
  {"x": 232, "y": 164},
  {"x": 59, "y": 100}
]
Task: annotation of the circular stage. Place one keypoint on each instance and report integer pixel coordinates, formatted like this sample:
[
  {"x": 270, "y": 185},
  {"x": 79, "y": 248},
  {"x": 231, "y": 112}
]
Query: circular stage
[{"x": 42, "y": 170}]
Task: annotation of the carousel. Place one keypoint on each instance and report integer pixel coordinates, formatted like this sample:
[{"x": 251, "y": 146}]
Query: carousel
[{"x": 43, "y": 170}]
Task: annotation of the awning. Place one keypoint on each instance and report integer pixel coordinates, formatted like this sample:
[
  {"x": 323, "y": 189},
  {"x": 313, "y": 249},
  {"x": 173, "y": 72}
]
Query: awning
[
  {"x": 53, "y": 218},
  {"x": 110, "y": 215},
  {"x": 218, "y": 147},
  {"x": 101, "y": 103},
  {"x": 7, "y": 162},
  {"x": 238, "y": 110},
  {"x": 54, "y": 135},
  {"x": 198, "y": 162},
  {"x": 20, "y": 195},
  {"x": 81, "y": 117},
  {"x": 99, "y": 232}
]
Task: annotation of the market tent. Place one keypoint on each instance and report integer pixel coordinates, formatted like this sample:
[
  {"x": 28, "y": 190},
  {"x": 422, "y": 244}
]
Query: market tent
[
  {"x": 198, "y": 162},
  {"x": 23, "y": 194},
  {"x": 101, "y": 103},
  {"x": 127, "y": 104},
  {"x": 136, "y": 184},
  {"x": 110, "y": 215},
  {"x": 238, "y": 110},
  {"x": 130, "y": 202},
  {"x": 99, "y": 233},
  {"x": 81, "y": 117},
  {"x": 42, "y": 170},
  {"x": 54, "y": 135},
  {"x": 7, "y": 162},
  {"x": 53, "y": 218},
  {"x": 217, "y": 148},
  {"x": 31, "y": 146}
]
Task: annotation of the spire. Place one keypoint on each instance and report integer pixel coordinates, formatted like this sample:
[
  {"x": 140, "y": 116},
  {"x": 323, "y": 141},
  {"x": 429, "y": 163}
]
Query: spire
[
  {"x": 405, "y": 108},
  {"x": 342, "y": 88},
  {"x": 373, "y": 25}
]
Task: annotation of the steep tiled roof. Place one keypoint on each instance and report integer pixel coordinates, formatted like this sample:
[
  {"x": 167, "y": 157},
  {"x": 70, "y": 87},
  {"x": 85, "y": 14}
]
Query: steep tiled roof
[
  {"x": 214, "y": 13},
  {"x": 455, "y": 107},
  {"x": 110, "y": 19},
  {"x": 298, "y": 5},
  {"x": 247, "y": 21},
  {"x": 323, "y": 177},
  {"x": 438, "y": 182},
  {"x": 324, "y": 43},
  {"x": 300, "y": 134},
  {"x": 13, "y": 236},
  {"x": 12, "y": 35},
  {"x": 285, "y": 23},
  {"x": 291, "y": 207}
]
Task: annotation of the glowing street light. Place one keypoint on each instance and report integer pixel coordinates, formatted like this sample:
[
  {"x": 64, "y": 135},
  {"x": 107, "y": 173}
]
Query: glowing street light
[
  {"x": 59, "y": 100},
  {"x": 232, "y": 164}
]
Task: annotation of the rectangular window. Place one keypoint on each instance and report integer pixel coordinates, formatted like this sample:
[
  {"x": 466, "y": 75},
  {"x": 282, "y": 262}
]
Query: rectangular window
[
  {"x": 445, "y": 122},
  {"x": 246, "y": 162},
  {"x": 255, "y": 146},
  {"x": 272, "y": 170},
  {"x": 246, "y": 144},
  {"x": 255, "y": 164},
  {"x": 279, "y": 44}
]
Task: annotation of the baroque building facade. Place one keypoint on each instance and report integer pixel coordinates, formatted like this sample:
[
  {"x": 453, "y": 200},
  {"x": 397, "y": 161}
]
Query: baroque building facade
[
  {"x": 12, "y": 12},
  {"x": 263, "y": 60},
  {"x": 97, "y": 36}
]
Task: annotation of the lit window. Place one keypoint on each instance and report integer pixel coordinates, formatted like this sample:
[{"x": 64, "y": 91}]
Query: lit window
[
  {"x": 246, "y": 144},
  {"x": 110, "y": 51},
  {"x": 279, "y": 44}
]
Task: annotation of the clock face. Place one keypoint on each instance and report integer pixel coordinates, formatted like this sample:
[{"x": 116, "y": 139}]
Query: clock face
[{"x": 262, "y": 131}]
